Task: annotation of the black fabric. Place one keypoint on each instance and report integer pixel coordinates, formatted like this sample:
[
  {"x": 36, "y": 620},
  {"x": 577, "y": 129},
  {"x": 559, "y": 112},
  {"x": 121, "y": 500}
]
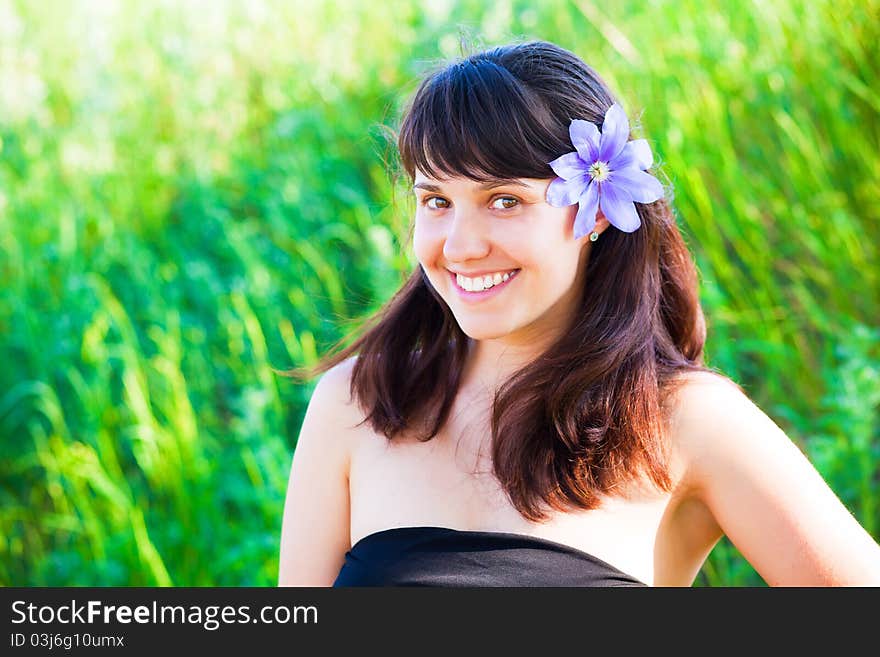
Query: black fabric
[{"x": 441, "y": 556}]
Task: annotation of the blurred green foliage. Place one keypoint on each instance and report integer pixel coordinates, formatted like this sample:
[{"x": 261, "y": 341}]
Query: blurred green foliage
[{"x": 195, "y": 193}]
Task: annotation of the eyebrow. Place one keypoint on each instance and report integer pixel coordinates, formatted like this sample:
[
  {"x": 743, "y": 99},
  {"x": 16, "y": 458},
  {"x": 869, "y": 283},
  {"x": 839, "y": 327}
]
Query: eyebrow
[{"x": 492, "y": 184}]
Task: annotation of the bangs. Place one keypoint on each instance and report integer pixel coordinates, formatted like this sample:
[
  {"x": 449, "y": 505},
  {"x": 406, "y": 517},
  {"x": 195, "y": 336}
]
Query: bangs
[{"x": 477, "y": 120}]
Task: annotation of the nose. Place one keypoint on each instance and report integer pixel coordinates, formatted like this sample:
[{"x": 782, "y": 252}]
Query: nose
[{"x": 466, "y": 237}]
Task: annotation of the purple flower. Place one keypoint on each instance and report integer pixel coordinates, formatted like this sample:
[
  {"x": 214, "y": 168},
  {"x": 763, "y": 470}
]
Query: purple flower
[{"x": 604, "y": 171}]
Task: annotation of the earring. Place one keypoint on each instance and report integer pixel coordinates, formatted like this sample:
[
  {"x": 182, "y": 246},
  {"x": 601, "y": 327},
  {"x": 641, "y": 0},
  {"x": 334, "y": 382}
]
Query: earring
[{"x": 594, "y": 236}]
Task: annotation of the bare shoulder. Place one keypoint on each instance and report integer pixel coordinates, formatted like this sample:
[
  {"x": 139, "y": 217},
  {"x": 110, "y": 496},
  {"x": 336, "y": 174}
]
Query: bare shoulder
[
  {"x": 336, "y": 410},
  {"x": 701, "y": 400},
  {"x": 716, "y": 426},
  {"x": 336, "y": 381},
  {"x": 334, "y": 385},
  {"x": 763, "y": 492},
  {"x": 697, "y": 388},
  {"x": 315, "y": 530},
  {"x": 697, "y": 384}
]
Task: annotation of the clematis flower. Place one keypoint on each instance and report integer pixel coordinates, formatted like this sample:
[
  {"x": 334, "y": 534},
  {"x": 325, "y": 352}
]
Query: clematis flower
[{"x": 604, "y": 171}]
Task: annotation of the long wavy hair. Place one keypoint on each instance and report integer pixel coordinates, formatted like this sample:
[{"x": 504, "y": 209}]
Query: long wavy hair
[{"x": 589, "y": 414}]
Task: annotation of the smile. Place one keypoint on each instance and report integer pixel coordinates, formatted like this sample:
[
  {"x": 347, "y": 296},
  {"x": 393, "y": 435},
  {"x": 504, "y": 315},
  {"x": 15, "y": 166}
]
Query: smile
[{"x": 480, "y": 295}]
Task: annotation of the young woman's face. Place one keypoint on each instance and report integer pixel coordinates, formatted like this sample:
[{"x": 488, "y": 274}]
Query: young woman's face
[{"x": 478, "y": 229}]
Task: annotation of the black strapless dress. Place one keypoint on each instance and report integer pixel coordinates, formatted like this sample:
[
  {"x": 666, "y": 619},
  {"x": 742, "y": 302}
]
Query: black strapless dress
[{"x": 441, "y": 556}]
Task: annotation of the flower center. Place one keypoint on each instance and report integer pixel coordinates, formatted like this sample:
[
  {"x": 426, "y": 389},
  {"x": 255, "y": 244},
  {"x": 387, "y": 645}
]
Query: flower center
[{"x": 599, "y": 171}]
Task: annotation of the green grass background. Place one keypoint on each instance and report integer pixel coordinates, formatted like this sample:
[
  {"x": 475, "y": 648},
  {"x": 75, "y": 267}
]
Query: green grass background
[{"x": 195, "y": 193}]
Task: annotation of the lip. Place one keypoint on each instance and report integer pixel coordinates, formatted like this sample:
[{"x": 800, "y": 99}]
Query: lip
[{"x": 474, "y": 297}]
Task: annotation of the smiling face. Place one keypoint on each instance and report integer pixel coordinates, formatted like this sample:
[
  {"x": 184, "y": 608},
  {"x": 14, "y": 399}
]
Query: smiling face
[{"x": 474, "y": 228}]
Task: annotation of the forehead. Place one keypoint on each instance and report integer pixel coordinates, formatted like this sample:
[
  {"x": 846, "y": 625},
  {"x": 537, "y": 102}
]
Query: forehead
[{"x": 423, "y": 181}]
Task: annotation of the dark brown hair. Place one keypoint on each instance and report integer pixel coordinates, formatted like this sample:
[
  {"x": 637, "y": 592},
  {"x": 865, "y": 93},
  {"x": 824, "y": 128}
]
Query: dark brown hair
[{"x": 589, "y": 413}]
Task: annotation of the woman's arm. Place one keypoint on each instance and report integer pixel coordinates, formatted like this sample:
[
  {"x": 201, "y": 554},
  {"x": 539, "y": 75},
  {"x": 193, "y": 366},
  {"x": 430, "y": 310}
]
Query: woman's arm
[
  {"x": 765, "y": 494},
  {"x": 316, "y": 524}
]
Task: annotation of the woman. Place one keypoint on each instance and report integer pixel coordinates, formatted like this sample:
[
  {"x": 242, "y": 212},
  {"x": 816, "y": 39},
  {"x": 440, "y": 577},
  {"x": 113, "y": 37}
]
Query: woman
[{"x": 531, "y": 407}]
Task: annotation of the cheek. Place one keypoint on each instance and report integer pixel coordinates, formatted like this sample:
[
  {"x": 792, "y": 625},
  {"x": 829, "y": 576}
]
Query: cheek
[
  {"x": 427, "y": 243},
  {"x": 419, "y": 246},
  {"x": 565, "y": 223},
  {"x": 554, "y": 239}
]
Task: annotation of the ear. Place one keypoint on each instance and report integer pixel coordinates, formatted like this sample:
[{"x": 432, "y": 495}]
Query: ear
[{"x": 601, "y": 222}]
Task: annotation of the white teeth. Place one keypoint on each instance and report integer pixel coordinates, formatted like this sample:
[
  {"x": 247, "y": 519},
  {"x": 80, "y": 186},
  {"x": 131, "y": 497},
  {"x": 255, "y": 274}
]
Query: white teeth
[{"x": 483, "y": 282}]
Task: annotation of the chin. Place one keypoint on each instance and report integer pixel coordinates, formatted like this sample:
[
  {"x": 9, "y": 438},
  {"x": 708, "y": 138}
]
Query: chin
[{"x": 483, "y": 330}]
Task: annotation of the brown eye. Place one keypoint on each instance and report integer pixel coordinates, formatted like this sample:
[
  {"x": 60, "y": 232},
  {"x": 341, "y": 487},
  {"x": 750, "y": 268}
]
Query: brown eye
[
  {"x": 436, "y": 199},
  {"x": 507, "y": 203}
]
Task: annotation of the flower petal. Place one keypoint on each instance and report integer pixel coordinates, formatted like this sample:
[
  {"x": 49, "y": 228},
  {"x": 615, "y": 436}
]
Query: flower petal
[
  {"x": 586, "y": 214},
  {"x": 639, "y": 186},
  {"x": 585, "y": 138},
  {"x": 642, "y": 151},
  {"x": 569, "y": 166},
  {"x": 634, "y": 153},
  {"x": 618, "y": 208},
  {"x": 615, "y": 132},
  {"x": 561, "y": 193}
]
